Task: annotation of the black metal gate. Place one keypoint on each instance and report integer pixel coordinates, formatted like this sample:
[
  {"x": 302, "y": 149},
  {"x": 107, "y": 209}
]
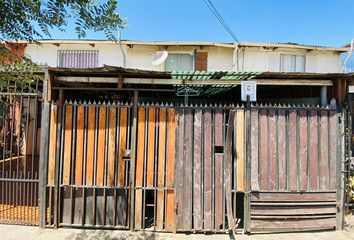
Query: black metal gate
[{"x": 19, "y": 156}]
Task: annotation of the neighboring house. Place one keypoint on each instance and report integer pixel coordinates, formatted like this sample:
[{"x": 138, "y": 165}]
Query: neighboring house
[{"x": 189, "y": 56}]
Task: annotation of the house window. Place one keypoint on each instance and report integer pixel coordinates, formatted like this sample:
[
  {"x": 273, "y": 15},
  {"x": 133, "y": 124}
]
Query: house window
[
  {"x": 78, "y": 58},
  {"x": 179, "y": 62},
  {"x": 292, "y": 63}
]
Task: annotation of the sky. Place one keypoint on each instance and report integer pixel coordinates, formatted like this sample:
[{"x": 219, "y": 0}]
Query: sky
[{"x": 317, "y": 22}]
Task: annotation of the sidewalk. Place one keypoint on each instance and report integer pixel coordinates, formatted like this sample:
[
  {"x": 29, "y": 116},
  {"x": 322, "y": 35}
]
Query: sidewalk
[{"x": 13, "y": 232}]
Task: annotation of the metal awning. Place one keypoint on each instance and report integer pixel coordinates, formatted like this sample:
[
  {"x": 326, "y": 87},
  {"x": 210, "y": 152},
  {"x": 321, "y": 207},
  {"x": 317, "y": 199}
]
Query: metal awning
[{"x": 227, "y": 80}]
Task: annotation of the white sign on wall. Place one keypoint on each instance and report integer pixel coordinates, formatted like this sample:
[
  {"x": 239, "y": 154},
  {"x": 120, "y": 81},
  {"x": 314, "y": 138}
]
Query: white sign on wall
[{"x": 248, "y": 88}]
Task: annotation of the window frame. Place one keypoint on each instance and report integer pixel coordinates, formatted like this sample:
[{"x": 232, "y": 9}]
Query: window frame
[
  {"x": 181, "y": 53},
  {"x": 292, "y": 54},
  {"x": 76, "y": 58}
]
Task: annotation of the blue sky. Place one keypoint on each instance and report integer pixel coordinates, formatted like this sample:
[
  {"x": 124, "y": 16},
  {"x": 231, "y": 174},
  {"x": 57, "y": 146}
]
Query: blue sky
[{"x": 319, "y": 22}]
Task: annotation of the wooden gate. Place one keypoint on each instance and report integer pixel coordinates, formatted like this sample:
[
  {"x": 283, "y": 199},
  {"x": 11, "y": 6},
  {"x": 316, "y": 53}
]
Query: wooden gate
[
  {"x": 88, "y": 168},
  {"x": 89, "y": 177},
  {"x": 294, "y": 154},
  {"x": 210, "y": 168}
]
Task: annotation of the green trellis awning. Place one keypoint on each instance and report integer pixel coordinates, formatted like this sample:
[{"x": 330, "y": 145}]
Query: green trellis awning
[{"x": 213, "y": 76}]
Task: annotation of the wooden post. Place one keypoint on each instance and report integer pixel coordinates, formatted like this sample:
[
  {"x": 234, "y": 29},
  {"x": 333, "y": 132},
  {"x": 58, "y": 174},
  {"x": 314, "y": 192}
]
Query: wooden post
[
  {"x": 43, "y": 158},
  {"x": 247, "y": 170},
  {"x": 132, "y": 160}
]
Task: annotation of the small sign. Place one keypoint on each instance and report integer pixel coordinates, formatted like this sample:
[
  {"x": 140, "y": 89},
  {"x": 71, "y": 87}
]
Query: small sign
[
  {"x": 248, "y": 88},
  {"x": 351, "y": 89}
]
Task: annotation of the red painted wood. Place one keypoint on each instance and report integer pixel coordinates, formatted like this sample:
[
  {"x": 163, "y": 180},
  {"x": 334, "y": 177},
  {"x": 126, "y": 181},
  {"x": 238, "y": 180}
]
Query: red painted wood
[
  {"x": 263, "y": 161},
  {"x": 292, "y": 153}
]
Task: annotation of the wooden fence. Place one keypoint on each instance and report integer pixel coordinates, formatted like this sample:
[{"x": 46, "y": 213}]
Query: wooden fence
[
  {"x": 294, "y": 159},
  {"x": 205, "y": 180},
  {"x": 197, "y": 168}
]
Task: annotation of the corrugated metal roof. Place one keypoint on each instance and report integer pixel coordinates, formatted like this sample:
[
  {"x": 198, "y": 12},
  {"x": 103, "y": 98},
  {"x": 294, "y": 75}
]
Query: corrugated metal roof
[{"x": 203, "y": 43}]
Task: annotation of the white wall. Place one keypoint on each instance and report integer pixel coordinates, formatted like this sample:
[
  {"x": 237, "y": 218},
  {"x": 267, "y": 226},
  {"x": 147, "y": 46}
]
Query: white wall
[{"x": 219, "y": 58}]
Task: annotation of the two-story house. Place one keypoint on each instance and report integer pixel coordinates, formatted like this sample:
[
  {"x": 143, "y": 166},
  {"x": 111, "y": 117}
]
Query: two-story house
[{"x": 188, "y": 56}]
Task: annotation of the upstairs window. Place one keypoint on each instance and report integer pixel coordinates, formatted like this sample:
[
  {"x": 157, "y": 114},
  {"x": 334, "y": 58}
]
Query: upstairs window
[
  {"x": 78, "y": 58},
  {"x": 179, "y": 62},
  {"x": 292, "y": 63}
]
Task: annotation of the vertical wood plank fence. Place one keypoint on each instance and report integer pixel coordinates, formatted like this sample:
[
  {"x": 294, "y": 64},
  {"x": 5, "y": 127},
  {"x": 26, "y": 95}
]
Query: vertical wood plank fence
[
  {"x": 191, "y": 167},
  {"x": 294, "y": 157}
]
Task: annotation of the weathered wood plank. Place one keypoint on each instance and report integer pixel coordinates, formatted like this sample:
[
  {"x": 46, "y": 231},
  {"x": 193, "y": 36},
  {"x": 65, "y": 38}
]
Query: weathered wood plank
[
  {"x": 295, "y": 210},
  {"x": 333, "y": 146},
  {"x": 151, "y": 148},
  {"x": 254, "y": 150},
  {"x": 227, "y": 170},
  {"x": 112, "y": 129},
  {"x": 323, "y": 161},
  {"x": 263, "y": 158},
  {"x": 197, "y": 171},
  {"x": 90, "y": 145},
  {"x": 282, "y": 134},
  {"x": 52, "y": 144},
  {"x": 170, "y": 194},
  {"x": 303, "y": 145},
  {"x": 293, "y": 197},
  {"x": 67, "y": 144},
  {"x": 292, "y": 150},
  {"x": 179, "y": 169},
  {"x": 218, "y": 128},
  {"x": 188, "y": 157},
  {"x": 101, "y": 146},
  {"x": 240, "y": 149},
  {"x": 139, "y": 168},
  {"x": 272, "y": 151},
  {"x": 293, "y": 223},
  {"x": 161, "y": 170},
  {"x": 80, "y": 121},
  {"x": 207, "y": 168},
  {"x": 122, "y": 145},
  {"x": 313, "y": 160}
]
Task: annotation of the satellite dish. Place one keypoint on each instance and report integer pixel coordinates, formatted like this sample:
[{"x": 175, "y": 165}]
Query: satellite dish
[{"x": 159, "y": 57}]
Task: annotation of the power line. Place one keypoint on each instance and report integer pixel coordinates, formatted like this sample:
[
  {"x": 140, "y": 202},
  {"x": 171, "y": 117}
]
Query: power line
[{"x": 216, "y": 13}]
